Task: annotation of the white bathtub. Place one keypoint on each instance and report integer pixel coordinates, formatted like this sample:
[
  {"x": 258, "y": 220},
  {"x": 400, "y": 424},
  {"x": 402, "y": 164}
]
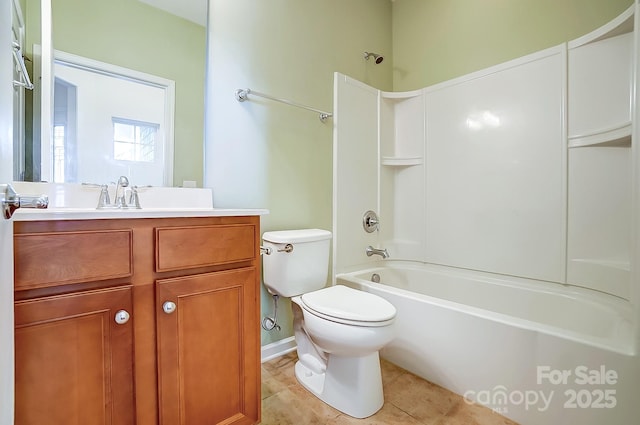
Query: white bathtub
[{"x": 533, "y": 351}]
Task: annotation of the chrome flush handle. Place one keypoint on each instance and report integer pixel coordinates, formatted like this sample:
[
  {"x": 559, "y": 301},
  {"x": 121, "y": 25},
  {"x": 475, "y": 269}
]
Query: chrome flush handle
[
  {"x": 268, "y": 251},
  {"x": 287, "y": 248}
]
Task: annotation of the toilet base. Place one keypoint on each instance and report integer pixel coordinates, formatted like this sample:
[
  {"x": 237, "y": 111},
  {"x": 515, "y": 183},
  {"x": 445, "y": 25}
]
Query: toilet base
[{"x": 352, "y": 385}]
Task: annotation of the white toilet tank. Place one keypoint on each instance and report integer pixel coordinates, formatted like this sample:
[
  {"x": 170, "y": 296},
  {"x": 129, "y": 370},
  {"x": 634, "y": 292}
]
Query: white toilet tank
[{"x": 303, "y": 269}]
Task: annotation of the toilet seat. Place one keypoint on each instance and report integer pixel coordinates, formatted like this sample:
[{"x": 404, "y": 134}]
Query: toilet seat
[{"x": 342, "y": 304}]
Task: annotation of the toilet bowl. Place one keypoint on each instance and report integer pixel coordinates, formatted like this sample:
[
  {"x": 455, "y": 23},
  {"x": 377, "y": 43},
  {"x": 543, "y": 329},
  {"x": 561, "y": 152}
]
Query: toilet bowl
[
  {"x": 338, "y": 330},
  {"x": 338, "y": 356},
  {"x": 345, "y": 321}
]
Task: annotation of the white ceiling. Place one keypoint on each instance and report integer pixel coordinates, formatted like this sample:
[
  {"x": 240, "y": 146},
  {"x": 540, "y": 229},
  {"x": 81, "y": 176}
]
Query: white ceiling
[{"x": 193, "y": 10}]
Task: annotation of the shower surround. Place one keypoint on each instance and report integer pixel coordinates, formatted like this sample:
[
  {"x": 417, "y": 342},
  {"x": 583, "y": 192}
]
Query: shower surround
[{"x": 514, "y": 181}]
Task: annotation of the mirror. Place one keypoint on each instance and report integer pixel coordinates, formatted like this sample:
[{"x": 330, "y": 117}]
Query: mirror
[
  {"x": 140, "y": 36},
  {"x": 109, "y": 121}
]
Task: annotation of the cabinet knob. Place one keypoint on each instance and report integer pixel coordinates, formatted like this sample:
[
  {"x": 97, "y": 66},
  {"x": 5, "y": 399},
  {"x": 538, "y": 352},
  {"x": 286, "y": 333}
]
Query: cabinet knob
[
  {"x": 169, "y": 307},
  {"x": 122, "y": 317}
]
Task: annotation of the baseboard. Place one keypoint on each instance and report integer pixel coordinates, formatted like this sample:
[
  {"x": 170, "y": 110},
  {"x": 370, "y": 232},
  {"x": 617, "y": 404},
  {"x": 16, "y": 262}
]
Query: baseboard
[{"x": 278, "y": 348}]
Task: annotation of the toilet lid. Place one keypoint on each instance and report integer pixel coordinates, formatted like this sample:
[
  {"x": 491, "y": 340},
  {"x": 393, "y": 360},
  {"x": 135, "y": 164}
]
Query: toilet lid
[{"x": 345, "y": 303}]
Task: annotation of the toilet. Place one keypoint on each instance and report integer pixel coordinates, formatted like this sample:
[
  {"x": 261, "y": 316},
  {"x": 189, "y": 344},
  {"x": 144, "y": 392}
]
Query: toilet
[{"x": 338, "y": 330}]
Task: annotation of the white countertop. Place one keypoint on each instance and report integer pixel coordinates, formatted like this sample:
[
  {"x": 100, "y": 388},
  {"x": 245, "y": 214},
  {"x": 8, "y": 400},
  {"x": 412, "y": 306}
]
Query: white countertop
[{"x": 95, "y": 214}]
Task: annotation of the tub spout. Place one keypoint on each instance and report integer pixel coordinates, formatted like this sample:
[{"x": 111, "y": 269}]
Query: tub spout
[{"x": 381, "y": 252}]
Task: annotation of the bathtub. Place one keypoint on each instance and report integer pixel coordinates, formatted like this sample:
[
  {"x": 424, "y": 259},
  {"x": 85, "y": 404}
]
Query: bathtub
[{"x": 536, "y": 352}]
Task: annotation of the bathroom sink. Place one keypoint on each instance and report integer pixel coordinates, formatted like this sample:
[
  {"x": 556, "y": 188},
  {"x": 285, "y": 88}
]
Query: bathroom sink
[
  {"x": 72, "y": 195},
  {"x": 69, "y": 201}
]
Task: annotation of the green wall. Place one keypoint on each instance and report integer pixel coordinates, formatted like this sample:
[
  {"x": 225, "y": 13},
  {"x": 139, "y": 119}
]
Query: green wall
[
  {"x": 436, "y": 40},
  {"x": 265, "y": 154},
  {"x": 134, "y": 35}
]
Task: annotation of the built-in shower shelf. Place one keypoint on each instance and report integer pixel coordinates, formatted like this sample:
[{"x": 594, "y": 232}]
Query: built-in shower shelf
[
  {"x": 401, "y": 161},
  {"x": 400, "y": 95},
  {"x": 618, "y": 136}
]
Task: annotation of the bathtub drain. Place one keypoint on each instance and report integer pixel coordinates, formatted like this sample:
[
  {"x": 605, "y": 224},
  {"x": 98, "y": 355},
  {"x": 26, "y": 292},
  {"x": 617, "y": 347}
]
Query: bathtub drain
[{"x": 375, "y": 278}]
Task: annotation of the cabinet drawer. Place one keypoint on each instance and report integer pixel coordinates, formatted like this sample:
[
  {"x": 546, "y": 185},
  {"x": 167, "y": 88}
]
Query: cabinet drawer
[
  {"x": 200, "y": 246},
  {"x": 49, "y": 259}
]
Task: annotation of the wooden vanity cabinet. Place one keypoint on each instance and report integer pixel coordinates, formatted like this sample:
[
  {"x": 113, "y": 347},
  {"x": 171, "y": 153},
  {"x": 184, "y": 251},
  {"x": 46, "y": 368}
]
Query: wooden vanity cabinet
[
  {"x": 190, "y": 353},
  {"x": 73, "y": 362},
  {"x": 200, "y": 348},
  {"x": 208, "y": 340}
]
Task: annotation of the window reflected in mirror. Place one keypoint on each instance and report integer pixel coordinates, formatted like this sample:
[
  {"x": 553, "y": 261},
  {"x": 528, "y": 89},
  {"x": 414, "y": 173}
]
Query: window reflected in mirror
[{"x": 134, "y": 140}]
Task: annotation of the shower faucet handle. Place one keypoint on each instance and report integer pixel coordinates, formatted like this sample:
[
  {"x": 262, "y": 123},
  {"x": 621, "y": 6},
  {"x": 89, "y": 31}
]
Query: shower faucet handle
[{"x": 370, "y": 221}]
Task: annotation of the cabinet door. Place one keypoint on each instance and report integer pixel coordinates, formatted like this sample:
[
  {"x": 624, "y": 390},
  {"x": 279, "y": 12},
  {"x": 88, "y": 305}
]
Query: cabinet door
[
  {"x": 208, "y": 348},
  {"x": 74, "y": 363}
]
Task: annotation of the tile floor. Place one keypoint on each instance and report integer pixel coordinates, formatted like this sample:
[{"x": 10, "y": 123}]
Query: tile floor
[{"x": 409, "y": 400}]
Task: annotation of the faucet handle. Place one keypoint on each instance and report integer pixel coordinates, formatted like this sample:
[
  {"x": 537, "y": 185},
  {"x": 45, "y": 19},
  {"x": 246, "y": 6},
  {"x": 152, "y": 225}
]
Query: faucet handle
[
  {"x": 370, "y": 221},
  {"x": 104, "y": 199},
  {"x": 134, "y": 199}
]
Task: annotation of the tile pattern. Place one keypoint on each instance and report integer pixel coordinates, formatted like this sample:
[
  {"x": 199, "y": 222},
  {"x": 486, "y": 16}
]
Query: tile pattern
[{"x": 409, "y": 400}]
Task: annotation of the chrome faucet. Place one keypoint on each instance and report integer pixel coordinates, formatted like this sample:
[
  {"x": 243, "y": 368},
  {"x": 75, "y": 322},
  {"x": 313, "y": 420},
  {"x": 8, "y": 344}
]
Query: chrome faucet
[
  {"x": 119, "y": 201},
  {"x": 381, "y": 252},
  {"x": 124, "y": 196}
]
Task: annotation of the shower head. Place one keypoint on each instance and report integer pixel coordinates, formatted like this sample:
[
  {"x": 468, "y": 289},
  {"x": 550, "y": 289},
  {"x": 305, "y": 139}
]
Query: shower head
[{"x": 376, "y": 56}]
